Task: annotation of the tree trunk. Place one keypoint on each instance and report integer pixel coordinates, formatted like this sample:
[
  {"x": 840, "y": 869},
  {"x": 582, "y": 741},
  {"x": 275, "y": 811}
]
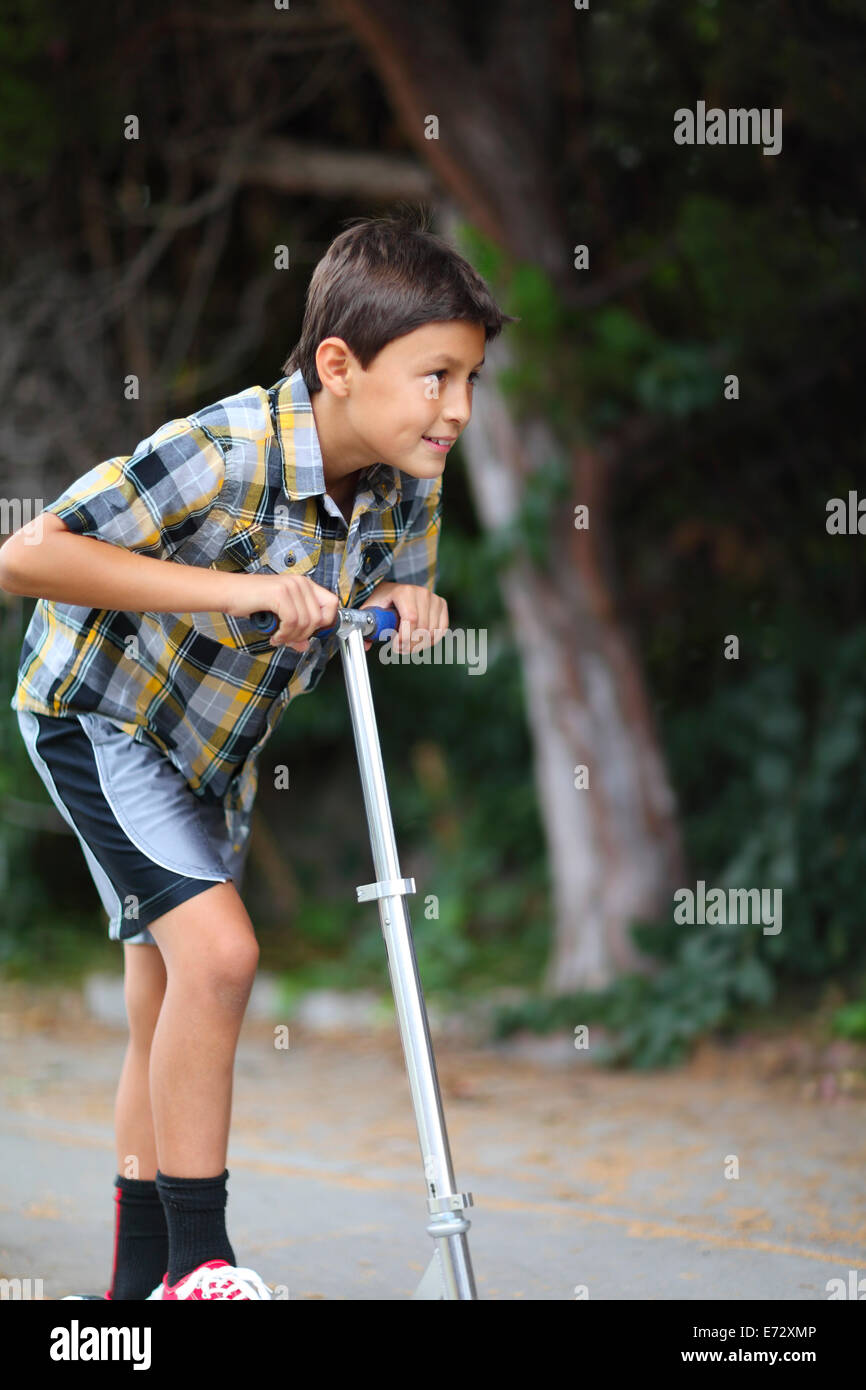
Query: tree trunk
[{"x": 614, "y": 846}]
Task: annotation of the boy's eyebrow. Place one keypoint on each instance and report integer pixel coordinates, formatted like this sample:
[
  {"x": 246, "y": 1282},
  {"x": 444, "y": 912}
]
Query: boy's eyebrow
[{"x": 452, "y": 361}]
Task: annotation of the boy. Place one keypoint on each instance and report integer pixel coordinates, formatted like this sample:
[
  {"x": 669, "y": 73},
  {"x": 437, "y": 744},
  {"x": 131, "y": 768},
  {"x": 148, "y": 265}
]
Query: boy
[{"x": 145, "y": 693}]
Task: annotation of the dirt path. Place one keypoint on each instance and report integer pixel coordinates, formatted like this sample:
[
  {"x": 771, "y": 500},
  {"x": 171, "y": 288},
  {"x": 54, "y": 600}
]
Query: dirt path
[{"x": 612, "y": 1184}]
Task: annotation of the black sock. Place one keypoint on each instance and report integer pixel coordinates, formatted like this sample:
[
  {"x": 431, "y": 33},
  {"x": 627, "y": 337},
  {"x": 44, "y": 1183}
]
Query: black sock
[
  {"x": 140, "y": 1239},
  {"x": 195, "y": 1212}
]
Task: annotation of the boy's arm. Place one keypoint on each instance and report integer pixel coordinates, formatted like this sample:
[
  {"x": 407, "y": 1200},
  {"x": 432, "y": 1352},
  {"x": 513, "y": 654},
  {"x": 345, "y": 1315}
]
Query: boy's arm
[
  {"x": 45, "y": 559},
  {"x": 90, "y": 573},
  {"x": 108, "y": 542},
  {"x": 145, "y": 506}
]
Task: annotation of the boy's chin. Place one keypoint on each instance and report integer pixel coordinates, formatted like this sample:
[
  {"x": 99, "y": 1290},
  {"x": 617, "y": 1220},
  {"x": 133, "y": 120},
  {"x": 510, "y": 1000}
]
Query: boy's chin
[
  {"x": 421, "y": 473},
  {"x": 422, "y": 468},
  {"x": 415, "y": 464}
]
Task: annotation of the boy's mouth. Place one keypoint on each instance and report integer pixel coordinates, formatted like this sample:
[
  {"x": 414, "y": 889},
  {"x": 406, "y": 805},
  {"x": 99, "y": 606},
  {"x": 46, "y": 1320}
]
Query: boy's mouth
[{"x": 440, "y": 443}]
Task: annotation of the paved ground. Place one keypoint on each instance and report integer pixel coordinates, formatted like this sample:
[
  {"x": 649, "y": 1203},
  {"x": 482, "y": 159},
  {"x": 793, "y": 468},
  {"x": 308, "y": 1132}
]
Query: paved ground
[{"x": 581, "y": 1177}]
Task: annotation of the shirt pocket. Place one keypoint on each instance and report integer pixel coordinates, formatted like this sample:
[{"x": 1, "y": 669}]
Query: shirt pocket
[
  {"x": 288, "y": 552},
  {"x": 256, "y": 550},
  {"x": 242, "y": 553}
]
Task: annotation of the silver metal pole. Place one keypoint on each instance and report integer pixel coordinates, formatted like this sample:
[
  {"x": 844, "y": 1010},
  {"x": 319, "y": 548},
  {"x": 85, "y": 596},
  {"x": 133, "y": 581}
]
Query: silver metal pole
[{"x": 449, "y": 1274}]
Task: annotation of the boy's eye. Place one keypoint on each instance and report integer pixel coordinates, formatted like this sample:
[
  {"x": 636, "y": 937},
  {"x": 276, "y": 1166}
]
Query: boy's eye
[{"x": 443, "y": 371}]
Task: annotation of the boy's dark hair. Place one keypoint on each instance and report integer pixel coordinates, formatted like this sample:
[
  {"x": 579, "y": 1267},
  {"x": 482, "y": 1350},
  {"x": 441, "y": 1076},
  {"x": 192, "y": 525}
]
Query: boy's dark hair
[{"x": 381, "y": 278}]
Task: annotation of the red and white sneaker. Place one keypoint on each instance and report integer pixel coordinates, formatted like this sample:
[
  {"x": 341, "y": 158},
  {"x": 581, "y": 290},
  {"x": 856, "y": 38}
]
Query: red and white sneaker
[{"x": 215, "y": 1279}]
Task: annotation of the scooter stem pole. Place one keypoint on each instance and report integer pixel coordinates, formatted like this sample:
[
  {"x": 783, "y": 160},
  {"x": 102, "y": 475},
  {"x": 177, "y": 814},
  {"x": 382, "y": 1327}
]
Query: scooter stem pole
[{"x": 450, "y": 1273}]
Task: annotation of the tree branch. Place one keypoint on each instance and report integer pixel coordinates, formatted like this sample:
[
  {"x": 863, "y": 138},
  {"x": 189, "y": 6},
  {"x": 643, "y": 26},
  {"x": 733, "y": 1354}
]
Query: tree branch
[
  {"x": 483, "y": 155},
  {"x": 293, "y": 166}
]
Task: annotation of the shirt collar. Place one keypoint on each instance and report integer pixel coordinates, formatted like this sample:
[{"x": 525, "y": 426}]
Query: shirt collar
[{"x": 298, "y": 440}]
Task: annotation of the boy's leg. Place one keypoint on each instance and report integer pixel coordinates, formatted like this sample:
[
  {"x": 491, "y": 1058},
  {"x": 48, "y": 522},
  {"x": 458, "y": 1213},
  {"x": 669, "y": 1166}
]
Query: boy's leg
[
  {"x": 185, "y": 1000},
  {"x": 144, "y": 980},
  {"x": 145, "y": 837},
  {"x": 140, "y": 1227},
  {"x": 210, "y": 952}
]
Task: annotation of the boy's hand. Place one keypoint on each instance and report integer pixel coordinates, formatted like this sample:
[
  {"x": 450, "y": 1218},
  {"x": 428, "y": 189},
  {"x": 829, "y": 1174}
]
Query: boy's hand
[
  {"x": 301, "y": 605},
  {"x": 420, "y": 612}
]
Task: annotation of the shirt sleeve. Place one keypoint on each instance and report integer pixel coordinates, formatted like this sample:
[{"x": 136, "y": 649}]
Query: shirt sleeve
[
  {"x": 416, "y": 561},
  {"x": 150, "y": 501}
]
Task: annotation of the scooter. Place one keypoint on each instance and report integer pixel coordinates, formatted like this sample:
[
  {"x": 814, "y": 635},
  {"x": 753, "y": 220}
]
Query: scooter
[{"x": 449, "y": 1274}]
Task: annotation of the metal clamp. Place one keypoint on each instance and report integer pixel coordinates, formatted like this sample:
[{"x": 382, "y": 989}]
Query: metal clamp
[
  {"x": 454, "y": 1201},
  {"x": 385, "y": 888}
]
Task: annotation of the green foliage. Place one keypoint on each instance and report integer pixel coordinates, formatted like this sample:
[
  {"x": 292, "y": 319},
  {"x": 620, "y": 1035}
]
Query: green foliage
[
  {"x": 51, "y": 919},
  {"x": 850, "y": 1021},
  {"x": 654, "y": 1022},
  {"x": 22, "y": 893},
  {"x": 777, "y": 753},
  {"x": 529, "y": 532},
  {"x": 765, "y": 765},
  {"x": 754, "y": 266},
  {"x": 29, "y": 123}
]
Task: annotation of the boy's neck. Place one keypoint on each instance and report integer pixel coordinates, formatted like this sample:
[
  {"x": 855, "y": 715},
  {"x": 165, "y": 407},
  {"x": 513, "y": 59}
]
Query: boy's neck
[{"x": 342, "y": 457}]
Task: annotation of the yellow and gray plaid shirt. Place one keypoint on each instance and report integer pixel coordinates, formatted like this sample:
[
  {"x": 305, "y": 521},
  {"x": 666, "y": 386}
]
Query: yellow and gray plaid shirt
[{"x": 238, "y": 486}]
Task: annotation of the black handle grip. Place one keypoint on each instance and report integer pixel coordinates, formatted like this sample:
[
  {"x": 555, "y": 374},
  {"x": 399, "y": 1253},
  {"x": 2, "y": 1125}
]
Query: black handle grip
[{"x": 266, "y": 621}]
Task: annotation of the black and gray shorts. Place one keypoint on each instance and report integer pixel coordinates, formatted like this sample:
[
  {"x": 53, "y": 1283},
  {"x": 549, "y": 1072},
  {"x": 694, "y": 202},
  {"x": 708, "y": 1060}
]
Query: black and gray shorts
[{"x": 149, "y": 841}]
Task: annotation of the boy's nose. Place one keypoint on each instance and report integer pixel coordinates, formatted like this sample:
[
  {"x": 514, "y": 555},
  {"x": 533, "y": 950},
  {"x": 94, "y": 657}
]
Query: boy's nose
[{"x": 456, "y": 413}]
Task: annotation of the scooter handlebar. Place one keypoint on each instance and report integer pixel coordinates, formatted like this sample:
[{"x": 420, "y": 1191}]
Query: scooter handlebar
[{"x": 378, "y": 622}]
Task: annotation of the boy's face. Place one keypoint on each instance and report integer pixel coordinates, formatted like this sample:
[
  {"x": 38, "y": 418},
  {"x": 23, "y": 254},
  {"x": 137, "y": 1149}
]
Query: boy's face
[{"x": 419, "y": 387}]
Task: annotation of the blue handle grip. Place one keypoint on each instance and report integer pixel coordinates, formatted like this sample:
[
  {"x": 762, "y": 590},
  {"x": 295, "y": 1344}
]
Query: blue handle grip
[{"x": 385, "y": 620}]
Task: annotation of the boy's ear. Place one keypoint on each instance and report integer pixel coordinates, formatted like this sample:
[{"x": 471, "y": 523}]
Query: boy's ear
[{"x": 334, "y": 361}]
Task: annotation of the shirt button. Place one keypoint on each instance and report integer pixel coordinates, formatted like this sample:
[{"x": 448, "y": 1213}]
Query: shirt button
[{"x": 290, "y": 558}]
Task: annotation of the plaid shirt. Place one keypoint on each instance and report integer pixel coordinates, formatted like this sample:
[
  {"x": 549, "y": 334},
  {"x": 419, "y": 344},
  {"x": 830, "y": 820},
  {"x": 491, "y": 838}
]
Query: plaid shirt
[{"x": 238, "y": 486}]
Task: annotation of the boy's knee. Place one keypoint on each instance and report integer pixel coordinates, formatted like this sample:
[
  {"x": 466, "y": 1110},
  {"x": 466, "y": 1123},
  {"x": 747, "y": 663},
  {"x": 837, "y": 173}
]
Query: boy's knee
[{"x": 230, "y": 966}]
